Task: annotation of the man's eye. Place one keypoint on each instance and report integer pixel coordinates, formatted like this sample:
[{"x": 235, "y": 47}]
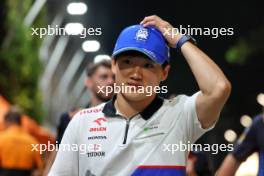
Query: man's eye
[
  {"x": 126, "y": 61},
  {"x": 148, "y": 65},
  {"x": 103, "y": 76}
]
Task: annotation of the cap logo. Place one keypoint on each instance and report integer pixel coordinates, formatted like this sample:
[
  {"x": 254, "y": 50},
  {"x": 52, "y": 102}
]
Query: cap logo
[{"x": 142, "y": 34}]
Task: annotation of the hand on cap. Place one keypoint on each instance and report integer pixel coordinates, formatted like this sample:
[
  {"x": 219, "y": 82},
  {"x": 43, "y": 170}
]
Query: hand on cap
[{"x": 171, "y": 34}]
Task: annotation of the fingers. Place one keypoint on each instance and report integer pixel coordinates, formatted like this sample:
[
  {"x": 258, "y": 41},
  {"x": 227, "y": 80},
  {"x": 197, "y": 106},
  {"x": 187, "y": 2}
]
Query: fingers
[
  {"x": 146, "y": 19},
  {"x": 149, "y": 20},
  {"x": 163, "y": 26},
  {"x": 149, "y": 23}
]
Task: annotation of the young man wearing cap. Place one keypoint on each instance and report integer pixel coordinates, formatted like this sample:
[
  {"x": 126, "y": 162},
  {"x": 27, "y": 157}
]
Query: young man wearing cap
[{"x": 133, "y": 133}]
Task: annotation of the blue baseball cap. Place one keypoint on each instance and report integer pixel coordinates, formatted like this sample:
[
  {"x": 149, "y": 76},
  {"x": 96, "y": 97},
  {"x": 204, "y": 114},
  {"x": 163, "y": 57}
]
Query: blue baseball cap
[{"x": 147, "y": 40}]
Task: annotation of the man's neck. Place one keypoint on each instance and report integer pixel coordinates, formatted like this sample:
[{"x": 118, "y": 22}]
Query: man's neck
[
  {"x": 94, "y": 101},
  {"x": 131, "y": 108}
]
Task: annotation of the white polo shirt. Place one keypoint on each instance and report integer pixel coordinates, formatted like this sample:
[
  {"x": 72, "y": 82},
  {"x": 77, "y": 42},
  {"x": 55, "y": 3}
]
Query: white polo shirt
[{"x": 116, "y": 146}]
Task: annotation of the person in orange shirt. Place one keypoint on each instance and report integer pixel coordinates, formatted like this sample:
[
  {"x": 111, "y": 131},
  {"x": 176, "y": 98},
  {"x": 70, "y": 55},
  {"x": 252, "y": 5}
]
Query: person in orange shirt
[
  {"x": 17, "y": 157},
  {"x": 42, "y": 135}
]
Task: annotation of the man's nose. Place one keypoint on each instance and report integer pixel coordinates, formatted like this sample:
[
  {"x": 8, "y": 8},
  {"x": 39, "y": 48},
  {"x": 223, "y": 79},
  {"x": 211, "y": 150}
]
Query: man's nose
[
  {"x": 110, "y": 80},
  {"x": 136, "y": 73}
]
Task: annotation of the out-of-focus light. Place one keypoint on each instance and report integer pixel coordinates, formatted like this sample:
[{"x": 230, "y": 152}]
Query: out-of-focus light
[
  {"x": 245, "y": 120},
  {"x": 260, "y": 99},
  {"x": 91, "y": 46},
  {"x": 77, "y": 8},
  {"x": 74, "y": 28},
  {"x": 249, "y": 167},
  {"x": 100, "y": 58},
  {"x": 230, "y": 135}
]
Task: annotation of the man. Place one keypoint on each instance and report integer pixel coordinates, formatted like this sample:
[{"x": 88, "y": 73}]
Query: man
[
  {"x": 98, "y": 76},
  {"x": 42, "y": 135},
  {"x": 128, "y": 134},
  {"x": 250, "y": 141},
  {"x": 16, "y": 154}
]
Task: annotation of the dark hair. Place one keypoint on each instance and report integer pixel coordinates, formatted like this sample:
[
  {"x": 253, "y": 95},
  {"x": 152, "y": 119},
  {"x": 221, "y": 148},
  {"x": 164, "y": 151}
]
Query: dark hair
[
  {"x": 138, "y": 54},
  {"x": 91, "y": 68},
  {"x": 13, "y": 116}
]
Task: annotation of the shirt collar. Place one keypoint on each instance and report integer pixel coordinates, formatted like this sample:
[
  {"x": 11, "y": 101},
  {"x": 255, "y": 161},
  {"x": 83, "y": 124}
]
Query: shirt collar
[{"x": 110, "y": 111}]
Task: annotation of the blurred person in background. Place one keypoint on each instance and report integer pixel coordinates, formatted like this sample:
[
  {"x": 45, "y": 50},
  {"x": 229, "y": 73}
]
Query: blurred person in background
[
  {"x": 252, "y": 140},
  {"x": 42, "y": 135},
  {"x": 64, "y": 121},
  {"x": 97, "y": 75},
  {"x": 16, "y": 155},
  {"x": 198, "y": 164}
]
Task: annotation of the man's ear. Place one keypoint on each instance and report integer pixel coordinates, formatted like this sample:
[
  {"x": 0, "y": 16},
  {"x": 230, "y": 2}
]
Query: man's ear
[
  {"x": 88, "y": 83},
  {"x": 165, "y": 72},
  {"x": 113, "y": 65}
]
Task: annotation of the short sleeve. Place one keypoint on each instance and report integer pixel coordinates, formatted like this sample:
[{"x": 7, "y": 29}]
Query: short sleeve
[{"x": 194, "y": 126}]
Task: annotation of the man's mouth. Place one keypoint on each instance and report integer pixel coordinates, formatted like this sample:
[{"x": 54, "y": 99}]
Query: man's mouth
[{"x": 134, "y": 84}]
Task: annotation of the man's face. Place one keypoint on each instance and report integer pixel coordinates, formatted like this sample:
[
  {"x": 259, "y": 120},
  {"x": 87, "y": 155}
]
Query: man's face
[
  {"x": 138, "y": 72},
  {"x": 102, "y": 78}
]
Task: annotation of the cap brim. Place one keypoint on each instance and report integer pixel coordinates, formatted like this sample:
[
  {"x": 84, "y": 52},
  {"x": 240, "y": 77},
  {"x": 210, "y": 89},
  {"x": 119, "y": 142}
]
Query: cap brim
[{"x": 143, "y": 51}]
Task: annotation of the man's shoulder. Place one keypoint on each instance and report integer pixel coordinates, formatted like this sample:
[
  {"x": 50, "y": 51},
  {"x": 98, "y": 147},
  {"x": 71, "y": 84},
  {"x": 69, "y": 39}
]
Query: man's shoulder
[
  {"x": 183, "y": 98},
  {"x": 91, "y": 112},
  {"x": 30, "y": 139},
  {"x": 179, "y": 99}
]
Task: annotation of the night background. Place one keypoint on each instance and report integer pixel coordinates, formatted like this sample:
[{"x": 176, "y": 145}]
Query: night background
[{"x": 240, "y": 56}]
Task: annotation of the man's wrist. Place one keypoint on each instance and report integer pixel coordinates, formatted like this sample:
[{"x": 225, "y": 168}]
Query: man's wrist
[
  {"x": 184, "y": 39},
  {"x": 177, "y": 38}
]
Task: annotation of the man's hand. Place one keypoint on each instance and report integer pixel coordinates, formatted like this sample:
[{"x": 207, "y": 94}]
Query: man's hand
[{"x": 171, "y": 34}]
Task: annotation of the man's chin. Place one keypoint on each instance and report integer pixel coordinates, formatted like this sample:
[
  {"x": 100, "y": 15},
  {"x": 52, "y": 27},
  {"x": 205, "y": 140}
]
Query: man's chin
[
  {"x": 135, "y": 96},
  {"x": 104, "y": 98}
]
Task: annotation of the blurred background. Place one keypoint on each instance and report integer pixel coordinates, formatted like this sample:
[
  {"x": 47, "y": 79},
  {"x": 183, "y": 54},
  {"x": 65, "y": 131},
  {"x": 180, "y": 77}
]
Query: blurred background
[{"x": 45, "y": 75}]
